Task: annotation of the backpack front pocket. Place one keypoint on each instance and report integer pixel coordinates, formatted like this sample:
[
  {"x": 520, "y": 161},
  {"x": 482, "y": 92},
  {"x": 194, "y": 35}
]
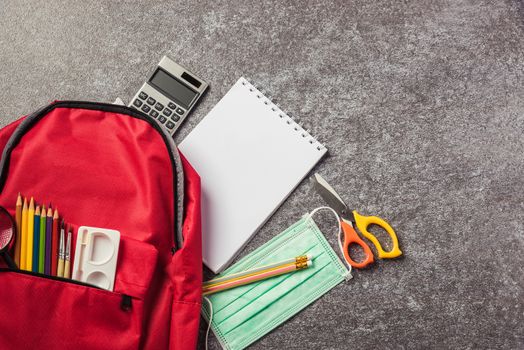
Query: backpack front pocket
[{"x": 55, "y": 314}]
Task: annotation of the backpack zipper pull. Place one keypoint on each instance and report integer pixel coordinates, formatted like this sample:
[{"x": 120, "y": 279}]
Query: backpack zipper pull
[{"x": 126, "y": 303}]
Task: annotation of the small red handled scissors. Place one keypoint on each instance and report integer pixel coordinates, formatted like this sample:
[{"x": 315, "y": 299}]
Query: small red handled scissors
[{"x": 350, "y": 219}]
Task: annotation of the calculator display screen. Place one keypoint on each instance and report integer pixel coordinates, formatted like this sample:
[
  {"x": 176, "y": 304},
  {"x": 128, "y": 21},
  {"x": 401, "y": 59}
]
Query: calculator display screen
[{"x": 172, "y": 88}]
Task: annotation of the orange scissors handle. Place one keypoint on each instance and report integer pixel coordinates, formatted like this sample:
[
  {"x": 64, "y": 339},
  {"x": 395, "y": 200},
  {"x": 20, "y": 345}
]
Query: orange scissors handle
[{"x": 351, "y": 237}]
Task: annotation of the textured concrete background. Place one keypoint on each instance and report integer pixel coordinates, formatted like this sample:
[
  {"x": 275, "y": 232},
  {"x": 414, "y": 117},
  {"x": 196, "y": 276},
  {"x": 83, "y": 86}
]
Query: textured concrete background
[{"x": 419, "y": 102}]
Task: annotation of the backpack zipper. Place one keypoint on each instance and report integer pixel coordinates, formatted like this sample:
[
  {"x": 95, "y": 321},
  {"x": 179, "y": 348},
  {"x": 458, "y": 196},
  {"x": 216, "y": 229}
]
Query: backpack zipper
[{"x": 125, "y": 304}]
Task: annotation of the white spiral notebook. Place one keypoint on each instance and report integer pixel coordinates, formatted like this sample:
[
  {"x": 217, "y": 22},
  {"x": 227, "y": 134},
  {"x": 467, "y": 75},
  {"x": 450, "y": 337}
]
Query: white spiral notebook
[{"x": 250, "y": 155}]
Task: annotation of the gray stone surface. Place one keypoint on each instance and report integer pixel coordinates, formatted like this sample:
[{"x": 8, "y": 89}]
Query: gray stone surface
[{"x": 419, "y": 102}]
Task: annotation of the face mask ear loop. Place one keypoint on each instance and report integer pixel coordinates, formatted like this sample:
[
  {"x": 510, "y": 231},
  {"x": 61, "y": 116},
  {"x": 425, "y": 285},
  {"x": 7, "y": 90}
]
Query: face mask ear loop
[
  {"x": 339, "y": 238},
  {"x": 210, "y": 318}
]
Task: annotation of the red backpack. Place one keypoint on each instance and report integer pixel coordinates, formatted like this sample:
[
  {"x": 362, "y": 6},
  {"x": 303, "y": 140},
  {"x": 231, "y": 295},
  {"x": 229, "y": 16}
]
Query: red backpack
[{"x": 106, "y": 166}]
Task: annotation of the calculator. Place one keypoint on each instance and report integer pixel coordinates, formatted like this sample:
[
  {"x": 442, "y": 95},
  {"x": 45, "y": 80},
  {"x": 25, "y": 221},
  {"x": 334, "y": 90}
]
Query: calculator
[{"x": 169, "y": 94}]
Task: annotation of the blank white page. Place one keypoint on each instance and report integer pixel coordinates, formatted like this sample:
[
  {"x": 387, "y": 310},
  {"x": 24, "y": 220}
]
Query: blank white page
[{"x": 250, "y": 156}]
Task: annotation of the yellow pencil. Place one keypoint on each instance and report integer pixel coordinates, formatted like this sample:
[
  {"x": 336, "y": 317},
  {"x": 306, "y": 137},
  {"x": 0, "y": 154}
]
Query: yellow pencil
[
  {"x": 23, "y": 238},
  {"x": 30, "y": 235},
  {"x": 18, "y": 229},
  {"x": 256, "y": 275}
]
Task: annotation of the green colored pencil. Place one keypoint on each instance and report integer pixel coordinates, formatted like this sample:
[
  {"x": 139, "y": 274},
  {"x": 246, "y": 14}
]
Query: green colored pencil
[{"x": 41, "y": 255}]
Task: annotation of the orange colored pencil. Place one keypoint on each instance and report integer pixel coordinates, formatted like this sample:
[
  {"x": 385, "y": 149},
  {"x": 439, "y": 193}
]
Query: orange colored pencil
[
  {"x": 23, "y": 237},
  {"x": 54, "y": 245}
]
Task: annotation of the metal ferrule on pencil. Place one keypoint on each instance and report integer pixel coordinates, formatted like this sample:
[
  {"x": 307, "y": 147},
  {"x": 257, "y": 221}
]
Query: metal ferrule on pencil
[
  {"x": 302, "y": 264},
  {"x": 61, "y": 250},
  {"x": 302, "y": 258}
]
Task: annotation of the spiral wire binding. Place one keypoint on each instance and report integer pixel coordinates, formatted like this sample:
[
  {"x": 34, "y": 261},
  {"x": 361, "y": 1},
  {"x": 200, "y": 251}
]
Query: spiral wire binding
[{"x": 282, "y": 115}]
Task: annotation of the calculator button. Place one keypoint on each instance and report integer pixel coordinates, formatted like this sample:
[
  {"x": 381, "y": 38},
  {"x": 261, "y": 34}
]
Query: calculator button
[
  {"x": 170, "y": 125},
  {"x": 162, "y": 119},
  {"x": 159, "y": 106},
  {"x": 151, "y": 101},
  {"x": 137, "y": 103},
  {"x": 142, "y": 95},
  {"x": 153, "y": 113},
  {"x": 171, "y": 105},
  {"x": 175, "y": 117},
  {"x": 146, "y": 108},
  {"x": 179, "y": 111},
  {"x": 167, "y": 112}
]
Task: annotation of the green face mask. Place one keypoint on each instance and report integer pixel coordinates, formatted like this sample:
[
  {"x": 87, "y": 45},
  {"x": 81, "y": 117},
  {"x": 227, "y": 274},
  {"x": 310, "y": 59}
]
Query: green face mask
[{"x": 242, "y": 315}]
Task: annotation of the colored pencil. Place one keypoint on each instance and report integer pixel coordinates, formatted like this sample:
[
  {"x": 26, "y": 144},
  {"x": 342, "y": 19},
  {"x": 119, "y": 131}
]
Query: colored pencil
[
  {"x": 48, "y": 239},
  {"x": 67, "y": 262},
  {"x": 36, "y": 240},
  {"x": 61, "y": 253},
  {"x": 230, "y": 277},
  {"x": 30, "y": 234},
  {"x": 259, "y": 276},
  {"x": 23, "y": 240},
  {"x": 54, "y": 244},
  {"x": 18, "y": 216},
  {"x": 248, "y": 274},
  {"x": 41, "y": 253}
]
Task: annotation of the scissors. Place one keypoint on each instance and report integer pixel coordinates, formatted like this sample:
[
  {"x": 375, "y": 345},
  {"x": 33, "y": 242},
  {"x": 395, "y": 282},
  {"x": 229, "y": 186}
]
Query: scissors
[{"x": 349, "y": 219}]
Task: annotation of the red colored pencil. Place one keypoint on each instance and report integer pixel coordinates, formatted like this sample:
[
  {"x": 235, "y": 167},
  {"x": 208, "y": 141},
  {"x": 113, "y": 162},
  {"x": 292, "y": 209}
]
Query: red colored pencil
[{"x": 54, "y": 244}]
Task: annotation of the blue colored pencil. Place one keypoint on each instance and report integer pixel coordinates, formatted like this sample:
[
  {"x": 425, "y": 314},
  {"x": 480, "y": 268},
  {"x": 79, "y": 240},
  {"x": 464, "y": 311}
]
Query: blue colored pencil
[{"x": 36, "y": 239}]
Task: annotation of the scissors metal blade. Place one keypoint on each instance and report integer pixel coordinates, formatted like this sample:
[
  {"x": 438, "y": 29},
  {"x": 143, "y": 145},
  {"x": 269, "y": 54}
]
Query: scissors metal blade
[{"x": 331, "y": 196}]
